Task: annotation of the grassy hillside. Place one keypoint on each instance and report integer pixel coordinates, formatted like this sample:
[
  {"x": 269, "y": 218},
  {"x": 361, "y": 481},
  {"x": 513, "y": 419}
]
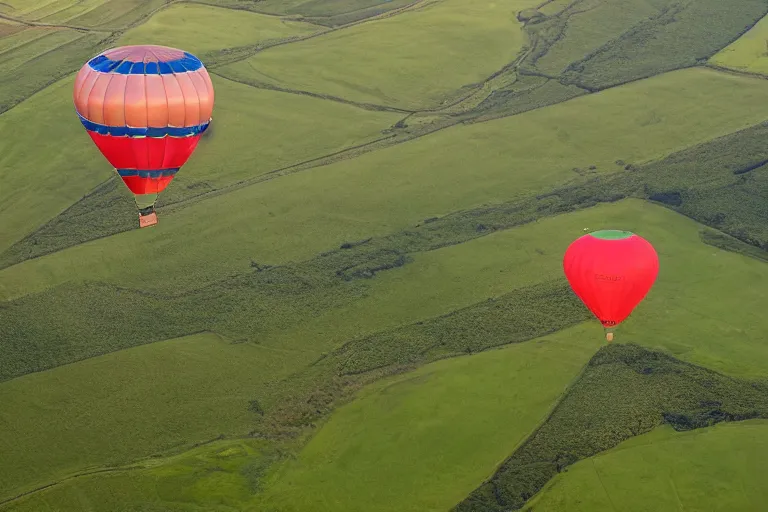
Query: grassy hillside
[
  {"x": 362, "y": 464},
  {"x": 420, "y": 441},
  {"x": 331, "y": 13},
  {"x": 105, "y": 15},
  {"x": 73, "y": 166},
  {"x": 216, "y": 477},
  {"x": 384, "y": 196},
  {"x": 42, "y": 60},
  {"x": 625, "y": 391},
  {"x": 52, "y": 11},
  {"x": 394, "y": 61},
  {"x": 682, "y": 34},
  {"x": 114, "y": 409},
  {"x": 58, "y": 37},
  {"x": 445, "y": 416},
  {"x": 197, "y": 29},
  {"x": 667, "y": 470},
  {"x": 748, "y": 53},
  {"x": 391, "y": 189},
  {"x": 62, "y": 174},
  {"x": 503, "y": 261}
]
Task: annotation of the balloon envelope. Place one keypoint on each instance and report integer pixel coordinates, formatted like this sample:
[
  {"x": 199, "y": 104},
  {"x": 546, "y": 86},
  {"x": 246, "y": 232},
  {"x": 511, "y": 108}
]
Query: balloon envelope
[
  {"x": 145, "y": 107},
  {"x": 611, "y": 272}
]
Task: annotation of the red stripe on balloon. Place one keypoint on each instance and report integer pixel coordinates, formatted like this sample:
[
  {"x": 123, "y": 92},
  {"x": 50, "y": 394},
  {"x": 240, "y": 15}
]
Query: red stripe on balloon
[
  {"x": 139, "y": 185},
  {"x": 145, "y": 153}
]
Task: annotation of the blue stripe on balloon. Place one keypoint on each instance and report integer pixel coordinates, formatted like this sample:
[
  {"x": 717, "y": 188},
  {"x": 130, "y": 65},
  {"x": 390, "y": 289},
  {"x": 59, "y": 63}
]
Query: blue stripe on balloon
[
  {"x": 155, "y": 133},
  {"x": 104, "y": 64},
  {"x": 159, "y": 173}
]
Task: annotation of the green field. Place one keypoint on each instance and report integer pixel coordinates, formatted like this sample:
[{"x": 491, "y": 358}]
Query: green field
[
  {"x": 394, "y": 62},
  {"x": 423, "y": 440},
  {"x": 279, "y": 119},
  {"x": 324, "y": 12},
  {"x": 748, "y": 53},
  {"x": 716, "y": 469},
  {"x": 163, "y": 396},
  {"x": 37, "y": 58},
  {"x": 453, "y": 277},
  {"x": 582, "y": 35},
  {"x": 63, "y": 11},
  {"x": 445, "y": 416},
  {"x": 354, "y": 297},
  {"x": 27, "y": 200},
  {"x": 195, "y": 28},
  {"x": 445, "y": 273},
  {"x": 36, "y": 10},
  {"x": 104, "y": 15},
  {"x": 204, "y": 375},
  {"x": 119, "y": 15},
  {"x": 363, "y": 441},
  {"x": 19, "y": 39},
  {"x": 678, "y": 35},
  {"x": 218, "y": 477},
  {"x": 31, "y": 43},
  {"x": 393, "y": 188}
]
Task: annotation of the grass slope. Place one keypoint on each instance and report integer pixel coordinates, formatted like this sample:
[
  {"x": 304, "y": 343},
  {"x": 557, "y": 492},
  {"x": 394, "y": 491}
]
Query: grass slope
[
  {"x": 15, "y": 35},
  {"x": 33, "y": 66},
  {"x": 330, "y": 13},
  {"x": 118, "y": 15},
  {"x": 202, "y": 29},
  {"x": 705, "y": 182},
  {"x": 65, "y": 11},
  {"x": 477, "y": 394},
  {"x": 682, "y": 34},
  {"x": 624, "y": 391},
  {"x": 324, "y": 310},
  {"x": 414, "y": 68},
  {"x": 64, "y": 170},
  {"x": 217, "y": 477},
  {"x": 516, "y": 316},
  {"x": 717, "y": 469},
  {"x": 748, "y": 53},
  {"x": 72, "y": 166},
  {"x": 580, "y": 28},
  {"x": 117, "y": 408},
  {"x": 335, "y": 13},
  {"x": 444, "y": 278},
  {"x": 22, "y": 48},
  {"x": 420, "y": 441},
  {"x": 297, "y": 216}
]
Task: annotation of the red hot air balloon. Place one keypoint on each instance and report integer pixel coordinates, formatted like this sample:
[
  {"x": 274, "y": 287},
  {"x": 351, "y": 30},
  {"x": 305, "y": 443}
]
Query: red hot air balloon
[
  {"x": 611, "y": 272},
  {"x": 145, "y": 107}
]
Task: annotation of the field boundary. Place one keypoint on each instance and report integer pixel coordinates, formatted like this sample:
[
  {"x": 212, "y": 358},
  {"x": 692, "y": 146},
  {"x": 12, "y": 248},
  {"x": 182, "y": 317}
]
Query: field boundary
[
  {"x": 50, "y": 25},
  {"x": 125, "y": 468}
]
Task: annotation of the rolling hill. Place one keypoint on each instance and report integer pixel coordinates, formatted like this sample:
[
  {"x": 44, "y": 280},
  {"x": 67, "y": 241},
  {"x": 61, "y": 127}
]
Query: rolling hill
[{"x": 354, "y": 297}]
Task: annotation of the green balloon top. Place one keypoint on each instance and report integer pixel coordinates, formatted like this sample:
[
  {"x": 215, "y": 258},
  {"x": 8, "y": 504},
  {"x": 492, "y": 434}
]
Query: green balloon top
[{"x": 612, "y": 234}]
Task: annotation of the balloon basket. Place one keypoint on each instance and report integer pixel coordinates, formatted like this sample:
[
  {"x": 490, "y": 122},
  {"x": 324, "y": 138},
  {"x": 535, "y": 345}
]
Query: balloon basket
[
  {"x": 609, "y": 337},
  {"x": 147, "y": 220}
]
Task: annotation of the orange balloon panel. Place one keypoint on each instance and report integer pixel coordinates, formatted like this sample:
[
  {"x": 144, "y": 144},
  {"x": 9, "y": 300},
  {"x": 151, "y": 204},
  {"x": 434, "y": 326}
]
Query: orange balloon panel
[
  {"x": 141, "y": 91},
  {"x": 145, "y": 107}
]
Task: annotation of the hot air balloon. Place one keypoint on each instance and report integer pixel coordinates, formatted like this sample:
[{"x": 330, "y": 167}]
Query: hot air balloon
[
  {"x": 145, "y": 107},
  {"x": 611, "y": 272}
]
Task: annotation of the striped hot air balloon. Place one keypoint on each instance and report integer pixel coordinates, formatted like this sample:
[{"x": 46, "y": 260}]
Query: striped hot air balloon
[{"x": 145, "y": 107}]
